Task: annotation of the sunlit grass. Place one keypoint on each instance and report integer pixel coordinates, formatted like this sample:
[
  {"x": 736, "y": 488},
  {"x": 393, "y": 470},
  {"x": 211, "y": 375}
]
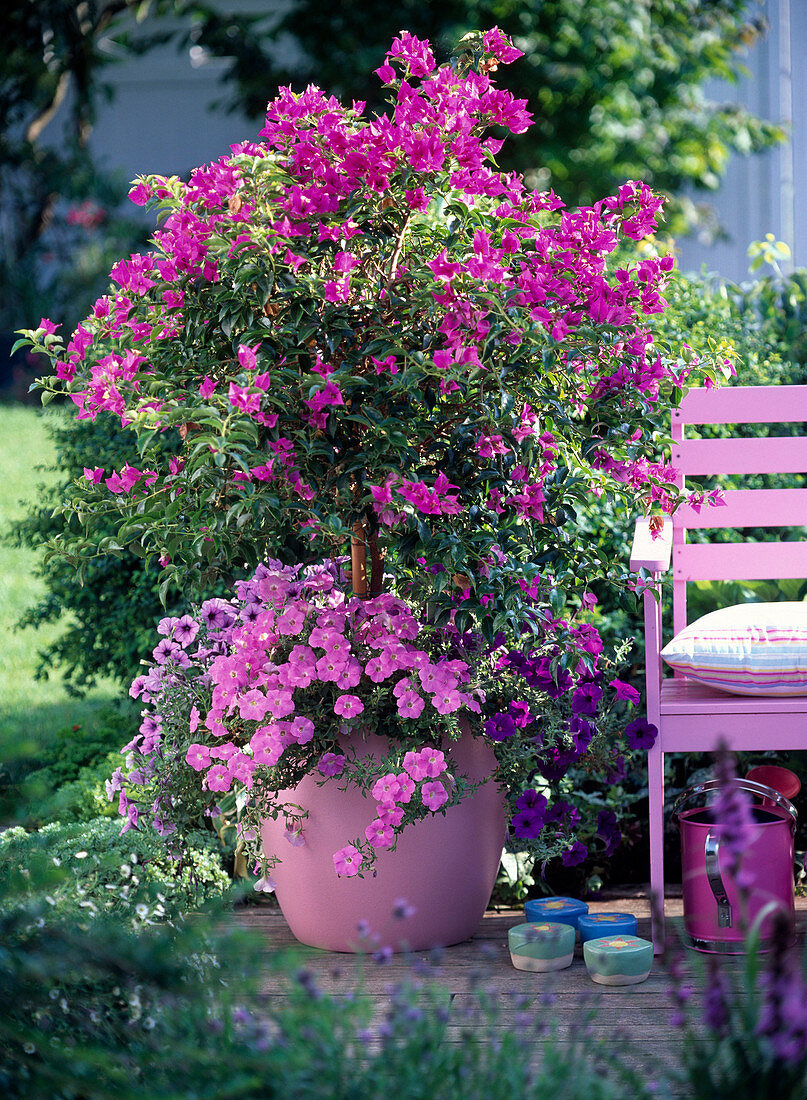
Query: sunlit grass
[{"x": 29, "y": 709}]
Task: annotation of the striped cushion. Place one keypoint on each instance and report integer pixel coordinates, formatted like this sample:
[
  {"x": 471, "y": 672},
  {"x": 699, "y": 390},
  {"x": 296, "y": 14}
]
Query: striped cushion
[{"x": 748, "y": 649}]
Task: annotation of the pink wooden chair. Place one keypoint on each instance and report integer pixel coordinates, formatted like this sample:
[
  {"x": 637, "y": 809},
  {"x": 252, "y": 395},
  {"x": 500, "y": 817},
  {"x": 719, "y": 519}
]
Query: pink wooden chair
[{"x": 690, "y": 716}]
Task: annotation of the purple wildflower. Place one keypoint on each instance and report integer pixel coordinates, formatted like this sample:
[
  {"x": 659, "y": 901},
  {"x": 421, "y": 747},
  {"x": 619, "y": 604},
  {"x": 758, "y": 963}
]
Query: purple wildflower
[
  {"x": 716, "y": 999},
  {"x": 734, "y": 820},
  {"x": 783, "y": 1015}
]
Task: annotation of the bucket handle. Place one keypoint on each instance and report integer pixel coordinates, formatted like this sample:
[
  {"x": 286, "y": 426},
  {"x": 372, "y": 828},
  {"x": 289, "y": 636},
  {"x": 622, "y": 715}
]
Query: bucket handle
[
  {"x": 711, "y": 852},
  {"x": 744, "y": 784}
]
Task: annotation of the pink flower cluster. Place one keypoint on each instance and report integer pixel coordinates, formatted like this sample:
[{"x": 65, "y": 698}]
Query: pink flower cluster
[
  {"x": 392, "y": 792},
  {"x": 288, "y": 667}
]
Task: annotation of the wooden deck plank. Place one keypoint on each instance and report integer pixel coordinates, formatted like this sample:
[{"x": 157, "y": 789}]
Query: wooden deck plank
[{"x": 637, "y": 1017}]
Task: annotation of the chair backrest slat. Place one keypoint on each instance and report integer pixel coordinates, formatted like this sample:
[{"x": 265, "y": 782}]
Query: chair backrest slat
[
  {"x": 770, "y": 455},
  {"x": 749, "y": 508},
  {"x": 769, "y": 507},
  {"x": 733, "y": 561},
  {"x": 743, "y": 405}
]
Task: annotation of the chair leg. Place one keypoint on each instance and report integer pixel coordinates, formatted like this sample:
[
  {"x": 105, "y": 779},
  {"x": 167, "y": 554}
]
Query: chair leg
[{"x": 655, "y": 775}]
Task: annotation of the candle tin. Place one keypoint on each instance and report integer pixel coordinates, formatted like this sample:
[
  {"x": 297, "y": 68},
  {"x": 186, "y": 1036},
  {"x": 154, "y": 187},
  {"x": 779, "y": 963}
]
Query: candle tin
[
  {"x": 618, "y": 960},
  {"x": 593, "y": 926},
  {"x": 555, "y": 910},
  {"x": 541, "y": 946}
]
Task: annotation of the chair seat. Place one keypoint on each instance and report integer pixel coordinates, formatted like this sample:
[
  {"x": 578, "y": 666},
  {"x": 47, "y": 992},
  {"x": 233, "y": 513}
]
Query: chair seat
[
  {"x": 695, "y": 718},
  {"x": 681, "y": 695}
]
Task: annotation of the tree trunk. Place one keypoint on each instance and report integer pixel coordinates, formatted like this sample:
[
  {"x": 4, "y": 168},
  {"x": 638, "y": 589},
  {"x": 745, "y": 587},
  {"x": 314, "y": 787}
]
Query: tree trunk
[{"x": 358, "y": 559}]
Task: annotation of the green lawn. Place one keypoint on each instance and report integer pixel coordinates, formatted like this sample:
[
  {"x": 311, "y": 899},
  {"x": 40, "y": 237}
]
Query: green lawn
[{"x": 29, "y": 709}]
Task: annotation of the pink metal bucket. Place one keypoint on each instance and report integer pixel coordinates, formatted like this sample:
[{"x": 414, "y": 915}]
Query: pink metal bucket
[{"x": 717, "y": 915}]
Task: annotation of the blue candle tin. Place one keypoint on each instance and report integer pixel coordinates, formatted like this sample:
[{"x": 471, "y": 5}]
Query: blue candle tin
[
  {"x": 592, "y": 926},
  {"x": 555, "y": 910}
]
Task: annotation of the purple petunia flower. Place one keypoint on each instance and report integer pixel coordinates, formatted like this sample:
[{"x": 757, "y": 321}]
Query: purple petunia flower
[
  {"x": 607, "y": 830},
  {"x": 185, "y": 630},
  {"x": 641, "y": 734},
  {"x": 499, "y": 727},
  {"x": 531, "y": 800},
  {"x": 574, "y": 855},
  {"x": 586, "y": 698},
  {"x": 527, "y": 824}
]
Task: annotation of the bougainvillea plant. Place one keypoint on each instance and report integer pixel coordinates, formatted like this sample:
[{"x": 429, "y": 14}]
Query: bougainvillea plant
[
  {"x": 248, "y": 695},
  {"x": 356, "y": 334},
  {"x": 357, "y": 328}
]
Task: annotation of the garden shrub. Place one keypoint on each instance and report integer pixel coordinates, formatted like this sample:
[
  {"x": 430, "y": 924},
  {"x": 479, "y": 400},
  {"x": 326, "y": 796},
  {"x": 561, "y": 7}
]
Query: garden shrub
[
  {"x": 108, "y": 621},
  {"x": 72, "y": 748},
  {"x": 92, "y": 867},
  {"x": 81, "y": 799}
]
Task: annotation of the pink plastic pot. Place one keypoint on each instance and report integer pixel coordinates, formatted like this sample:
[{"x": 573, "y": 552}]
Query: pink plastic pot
[
  {"x": 717, "y": 915},
  {"x": 444, "y": 866}
]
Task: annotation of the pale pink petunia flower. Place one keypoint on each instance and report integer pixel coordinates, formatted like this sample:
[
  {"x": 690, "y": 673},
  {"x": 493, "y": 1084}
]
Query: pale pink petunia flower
[{"x": 265, "y": 885}]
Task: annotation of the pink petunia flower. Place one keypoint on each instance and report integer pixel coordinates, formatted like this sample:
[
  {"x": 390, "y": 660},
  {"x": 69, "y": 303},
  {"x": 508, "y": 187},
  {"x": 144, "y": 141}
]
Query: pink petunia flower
[
  {"x": 279, "y": 703},
  {"x": 446, "y": 702},
  {"x": 347, "y": 861},
  {"x": 434, "y": 795},
  {"x": 406, "y": 787},
  {"x": 390, "y": 814},
  {"x": 348, "y": 706},
  {"x": 380, "y": 834},
  {"x": 434, "y": 762},
  {"x": 253, "y": 705},
  {"x": 410, "y": 705},
  {"x": 387, "y": 788},
  {"x": 332, "y": 763},
  {"x": 350, "y": 674},
  {"x": 218, "y": 778},
  {"x": 198, "y": 756},
  {"x": 415, "y": 766}
]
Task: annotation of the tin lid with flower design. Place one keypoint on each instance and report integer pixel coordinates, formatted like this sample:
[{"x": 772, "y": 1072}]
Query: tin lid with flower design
[
  {"x": 555, "y": 910},
  {"x": 592, "y": 926}
]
